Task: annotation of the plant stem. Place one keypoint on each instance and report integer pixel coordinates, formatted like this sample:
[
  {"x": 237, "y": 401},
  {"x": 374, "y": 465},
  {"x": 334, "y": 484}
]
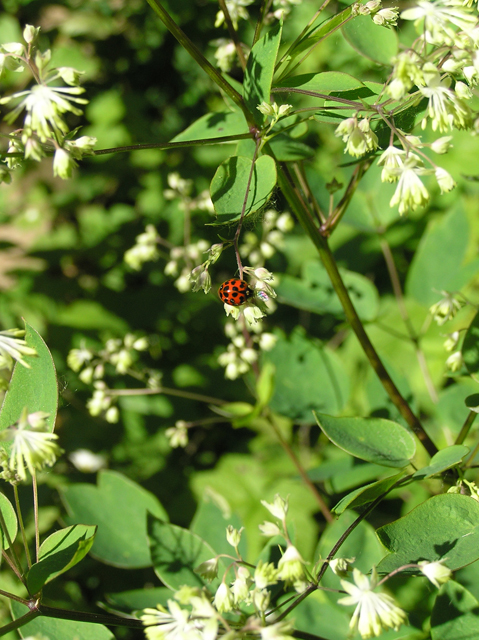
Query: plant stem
[
  {"x": 304, "y": 476},
  {"x": 35, "y": 513},
  {"x": 233, "y": 33},
  {"x": 396, "y": 284},
  {"x": 22, "y": 526},
  {"x": 298, "y": 206},
  {"x": 166, "y": 391},
  {"x": 196, "y": 54},
  {"x": 164, "y": 145},
  {"x": 19, "y": 622},
  {"x": 472, "y": 415}
]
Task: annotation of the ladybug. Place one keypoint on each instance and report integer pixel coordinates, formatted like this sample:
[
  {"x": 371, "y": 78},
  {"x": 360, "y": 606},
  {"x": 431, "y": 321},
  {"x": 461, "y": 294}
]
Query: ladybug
[{"x": 235, "y": 292}]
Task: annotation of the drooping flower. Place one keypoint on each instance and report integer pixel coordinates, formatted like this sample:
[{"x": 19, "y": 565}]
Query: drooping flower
[
  {"x": 374, "y": 611},
  {"x": 410, "y": 192},
  {"x": 436, "y": 572}
]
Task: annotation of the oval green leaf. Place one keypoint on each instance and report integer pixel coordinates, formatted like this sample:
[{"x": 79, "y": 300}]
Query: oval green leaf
[
  {"x": 455, "y": 615},
  {"x": 58, "y": 553},
  {"x": 34, "y": 388},
  {"x": 445, "y": 526},
  {"x": 444, "y": 459},
  {"x": 365, "y": 495},
  {"x": 376, "y": 440},
  {"x": 176, "y": 553},
  {"x": 10, "y": 518},
  {"x": 326, "y": 82},
  {"x": 119, "y": 507},
  {"x": 260, "y": 70},
  {"x": 229, "y": 184},
  {"x": 370, "y": 40},
  {"x": 214, "y": 125}
]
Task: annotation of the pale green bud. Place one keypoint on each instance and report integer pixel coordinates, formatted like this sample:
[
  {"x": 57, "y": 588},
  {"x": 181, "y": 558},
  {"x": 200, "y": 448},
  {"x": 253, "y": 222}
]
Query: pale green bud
[
  {"x": 30, "y": 33},
  {"x": 436, "y": 572},
  {"x": 233, "y": 536}
]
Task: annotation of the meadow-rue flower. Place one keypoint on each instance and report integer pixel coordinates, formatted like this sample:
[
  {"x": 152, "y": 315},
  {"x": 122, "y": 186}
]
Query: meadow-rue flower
[
  {"x": 265, "y": 574},
  {"x": 451, "y": 341},
  {"x": 240, "y": 586},
  {"x": 12, "y": 346},
  {"x": 86, "y": 461},
  {"x": 436, "y": 572},
  {"x": 208, "y": 569},
  {"x": 341, "y": 566},
  {"x": 455, "y": 361},
  {"x": 177, "y": 435},
  {"x": 358, "y": 136},
  {"x": 233, "y": 536},
  {"x": 410, "y": 192},
  {"x": 278, "y": 631},
  {"x": 437, "y": 21},
  {"x": 291, "y": 565},
  {"x": 406, "y": 73},
  {"x": 269, "y": 529},
  {"x": 445, "y": 108},
  {"x": 162, "y": 624},
  {"x": 391, "y": 159},
  {"x": 441, "y": 145},
  {"x": 278, "y": 508},
  {"x": 386, "y": 17},
  {"x": 224, "y": 599},
  {"x": 32, "y": 445},
  {"x": 444, "y": 179},
  {"x": 260, "y": 599},
  {"x": 237, "y": 11},
  {"x": 374, "y": 611},
  {"x": 445, "y": 309},
  {"x": 63, "y": 164}
]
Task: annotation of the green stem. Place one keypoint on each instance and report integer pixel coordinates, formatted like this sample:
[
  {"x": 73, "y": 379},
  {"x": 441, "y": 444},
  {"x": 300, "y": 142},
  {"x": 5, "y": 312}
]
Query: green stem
[
  {"x": 163, "y": 145},
  {"x": 466, "y": 427},
  {"x": 19, "y": 622},
  {"x": 22, "y": 526},
  {"x": 95, "y": 618},
  {"x": 298, "y": 206},
  {"x": 166, "y": 391},
  {"x": 196, "y": 54}
]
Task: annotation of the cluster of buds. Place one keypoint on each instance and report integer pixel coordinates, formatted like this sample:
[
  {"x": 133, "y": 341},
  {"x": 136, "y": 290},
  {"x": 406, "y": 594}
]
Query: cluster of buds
[
  {"x": 357, "y": 135},
  {"x": 92, "y": 365},
  {"x": 273, "y": 227},
  {"x": 181, "y": 188},
  {"x": 383, "y": 17},
  {"x": 45, "y": 104},
  {"x": 274, "y": 111},
  {"x": 144, "y": 250},
  {"x": 240, "y": 354},
  {"x": 260, "y": 301},
  {"x": 237, "y": 11}
]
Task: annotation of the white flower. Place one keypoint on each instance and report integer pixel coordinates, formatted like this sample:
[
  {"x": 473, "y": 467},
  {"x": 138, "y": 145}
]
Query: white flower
[
  {"x": 63, "y": 164},
  {"x": 358, "y": 136},
  {"x": 208, "y": 569},
  {"x": 13, "y": 347},
  {"x": 436, "y": 572},
  {"x": 278, "y": 631},
  {"x": 86, "y": 461},
  {"x": 32, "y": 446},
  {"x": 438, "y": 19},
  {"x": 269, "y": 529},
  {"x": 291, "y": 565},
  {"x": 445, "y": 109},
  {"x": 278, "y": 508},
  {"x": 455, "y": 361},
  {"x": 445, "y": 309},
  {"x": 444, "y": 180},
  {"x": 391, "y": 159},
  {"x": 161, "y": 624},
  {"x": 374, "y": 611},
  {"x": 441, "y": 145},
  {"x": 265, "y": 574},
  {"x": 410, "y": 192},
  {"x": 224, "y": 599}
]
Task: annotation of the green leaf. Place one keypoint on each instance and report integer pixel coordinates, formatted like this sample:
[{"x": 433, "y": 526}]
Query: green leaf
[
  {"x": 326, "y": 82},
  {"x": 318, "y": 616},
  {"x": 444, "y": 459},
  {"x": 370, "y": 40},
  {"x": 58, "y": 553},
  {"x": 438, "y": 262},
  {"x": 265, "y": 384},
  {"x": 210, "y": 522},
  {"x": 314, "y": 292},
  {"x": 136, "y": 599},
  {"x": 308, "y": 377},
  {"x": 286, "y": 149},
  {"x": 10, "y": 518},
  {"x": 445, "y": 526},
  {"x": 214, "y": 125},
  {"x": 259, "y": 71},
  {"x": 56, "y": 629},
  {"x": 455, "y": 615},
  {"x": 118, "y": 506},
  {"x": 228, "y": 187},
  {"x": 472, "y": 402},
  {"x": 35, "y": 388},
  {"x": 365, "y": 495},
  {"x": 470, "y": 346},
  {"x": 373, "y": 439},
  {"x": 176, "y": 553}
]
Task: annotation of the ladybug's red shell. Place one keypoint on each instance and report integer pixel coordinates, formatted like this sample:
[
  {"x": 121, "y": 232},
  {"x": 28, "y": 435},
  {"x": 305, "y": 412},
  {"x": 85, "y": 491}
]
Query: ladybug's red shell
[{"x": 235, "y": 292}]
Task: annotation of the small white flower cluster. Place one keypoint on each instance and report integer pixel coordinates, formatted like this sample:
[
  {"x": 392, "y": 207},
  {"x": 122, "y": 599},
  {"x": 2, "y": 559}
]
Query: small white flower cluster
[
  {"x": 91, "y": 366},
  {"x": 443, "y": 67},
  {"x": 181, "y": 188},
  {"x": 239, "y": 356},
  {"x": 383, "y": 17},
  {"x": 274, "y": 111},
  {"x": 144, "y": 250},
  {"x": 273, "y": 227},
  {"x": 281, "y": 8},
  {"x": 225, "y": 54},
  {"x": 236, "y": 10},
  {"x": 178, "y": 435},
  {"x": 44, "y": 126},
  {"x": 14, "y": 348},
  {"x": 193, "y": 615},
  {"x": 443, "y": 311},
  {"x": 180, "y": 265}
]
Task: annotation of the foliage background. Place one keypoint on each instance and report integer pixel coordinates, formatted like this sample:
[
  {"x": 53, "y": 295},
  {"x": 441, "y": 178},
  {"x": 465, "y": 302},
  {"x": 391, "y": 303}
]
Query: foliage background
[{"x": 62, "y": 269}]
